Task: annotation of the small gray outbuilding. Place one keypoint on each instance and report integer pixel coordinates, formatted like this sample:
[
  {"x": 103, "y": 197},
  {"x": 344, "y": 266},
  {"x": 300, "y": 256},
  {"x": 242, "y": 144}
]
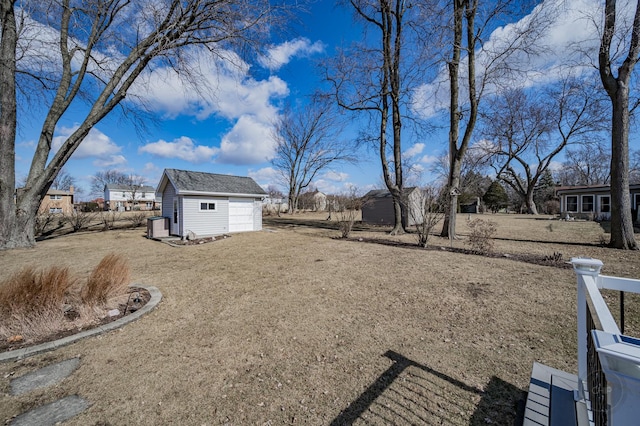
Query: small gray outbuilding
[
  {"x": 377, "y": 207},
  {"x": 210, "y": 204}
]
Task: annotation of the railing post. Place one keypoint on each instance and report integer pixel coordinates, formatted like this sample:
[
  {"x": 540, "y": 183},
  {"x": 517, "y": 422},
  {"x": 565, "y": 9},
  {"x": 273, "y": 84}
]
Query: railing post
[{"x": 584, "y": 267}]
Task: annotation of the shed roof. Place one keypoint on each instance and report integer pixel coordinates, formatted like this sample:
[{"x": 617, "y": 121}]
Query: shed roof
[
  {"x": 189, "y": 182},
  {"x": 123, "y": 187},
  {"x": 384, "y": 193},
  {"x": 587, "y": 189}
]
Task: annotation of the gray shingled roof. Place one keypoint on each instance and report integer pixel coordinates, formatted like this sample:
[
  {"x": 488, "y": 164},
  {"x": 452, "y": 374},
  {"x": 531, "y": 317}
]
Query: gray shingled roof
[
  {"x": 188, "y": 181},
  {"x": 384, "y": 193},
  {"x": 121, "y": 187}
]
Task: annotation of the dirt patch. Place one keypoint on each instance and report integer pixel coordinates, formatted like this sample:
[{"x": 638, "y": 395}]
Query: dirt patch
[{"x": 137, "y": 298}]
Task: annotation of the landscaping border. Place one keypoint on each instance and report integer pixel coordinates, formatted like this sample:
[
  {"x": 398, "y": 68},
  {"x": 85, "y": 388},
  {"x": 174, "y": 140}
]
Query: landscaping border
[{"x": 17, "y": 354}]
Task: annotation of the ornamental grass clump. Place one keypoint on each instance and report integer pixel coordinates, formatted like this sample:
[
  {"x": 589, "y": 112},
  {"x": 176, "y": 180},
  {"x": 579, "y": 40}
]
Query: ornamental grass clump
[
  {"x": 109, "y": 279},
  {"x": 32, "y": 302},
  {"x": 36, "y": 304}
]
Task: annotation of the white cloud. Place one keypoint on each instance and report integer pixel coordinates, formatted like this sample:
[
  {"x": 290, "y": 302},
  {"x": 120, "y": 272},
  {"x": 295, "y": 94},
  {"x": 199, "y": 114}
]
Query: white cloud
[
  {"x": 183, "y": 148},
  {"x": 414, "y": 150},
  {"x": 279, "y": 55},
  {"x": 95, "y": 144},
  {"x": 110, "y": 162},
  {"x": 567, "y": 25},
  {"x": 222, "y": 87},
  {"x": 428, "y": 159},
  {"x": 150, "y": 168},
  {"x": 249, "y": 142},
  {"x": 266, "y": 176},
  {"x": 336, "y": 176}
]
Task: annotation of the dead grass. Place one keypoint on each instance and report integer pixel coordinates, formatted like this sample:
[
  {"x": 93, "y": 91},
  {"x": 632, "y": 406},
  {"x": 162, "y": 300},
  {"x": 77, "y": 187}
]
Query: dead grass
[
  {"x": 296, "y": 326},
  {"x": 38, "y": 303},
  {"x": 109, "y": 279}
]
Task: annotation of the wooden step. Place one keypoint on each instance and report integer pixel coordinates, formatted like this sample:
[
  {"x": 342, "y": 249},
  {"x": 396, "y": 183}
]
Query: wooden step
[{"x": 551, "y": 397}]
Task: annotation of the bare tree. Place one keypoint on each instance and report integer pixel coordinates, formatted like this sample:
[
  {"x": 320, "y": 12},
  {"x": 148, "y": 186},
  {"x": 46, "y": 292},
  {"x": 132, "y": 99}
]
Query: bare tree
[
  {"x": 373, "y": 80},
  {"x": 63, "y": 181},
  {"x": 428, "y": 213},
  {"x": 528, "y": 130},
  {"x": 102, "y": 178},
  {"x": 585, "y": 164},
  {"x": 470, "y": 22},
  {"x": 102, "y": 48},
  {"x": 307, "y": 142},
  {"x": 617, "y": 87}
]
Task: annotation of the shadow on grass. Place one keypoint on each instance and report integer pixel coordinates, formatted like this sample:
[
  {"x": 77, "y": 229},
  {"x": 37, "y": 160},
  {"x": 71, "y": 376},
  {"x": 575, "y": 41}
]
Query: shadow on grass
[{"x": 412, "y": 393}]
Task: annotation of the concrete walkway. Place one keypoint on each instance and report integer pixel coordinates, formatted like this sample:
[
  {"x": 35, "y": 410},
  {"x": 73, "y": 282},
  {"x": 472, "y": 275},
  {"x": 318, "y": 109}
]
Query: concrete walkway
[{"x": 69, "y": 406}]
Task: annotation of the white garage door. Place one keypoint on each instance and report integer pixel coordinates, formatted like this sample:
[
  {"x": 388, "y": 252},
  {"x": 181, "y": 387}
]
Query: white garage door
[{"x": 240, "y": 215}]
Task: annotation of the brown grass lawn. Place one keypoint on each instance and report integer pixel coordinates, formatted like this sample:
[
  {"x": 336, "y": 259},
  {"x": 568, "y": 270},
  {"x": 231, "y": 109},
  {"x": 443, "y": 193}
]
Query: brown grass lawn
[{"x": 294, "y": 326}]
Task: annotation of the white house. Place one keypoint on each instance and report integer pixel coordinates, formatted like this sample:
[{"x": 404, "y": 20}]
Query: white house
[
  {"x": 129, "y": 197},
  {"x": 593, "y": 201},
  {"x": 210, "y": 204}
]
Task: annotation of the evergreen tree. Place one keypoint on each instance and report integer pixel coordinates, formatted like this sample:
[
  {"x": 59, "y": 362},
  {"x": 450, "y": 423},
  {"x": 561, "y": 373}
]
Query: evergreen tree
[{"x": 496, "y": 197}]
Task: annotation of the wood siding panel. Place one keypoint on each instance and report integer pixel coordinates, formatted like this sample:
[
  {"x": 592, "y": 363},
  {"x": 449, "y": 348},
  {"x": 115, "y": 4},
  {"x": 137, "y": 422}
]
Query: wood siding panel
[{"x": 205, "y": 223}]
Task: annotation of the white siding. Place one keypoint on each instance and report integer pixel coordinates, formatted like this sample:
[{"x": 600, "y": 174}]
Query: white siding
[
  {"x": 204, "y": 223},
  {"x": 241, "y": 214},
  {"x": 257, "y": 215}
]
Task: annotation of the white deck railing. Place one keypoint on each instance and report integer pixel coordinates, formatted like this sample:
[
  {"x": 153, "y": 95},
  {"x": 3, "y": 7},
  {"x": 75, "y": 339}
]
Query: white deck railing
[{"x": 608, "y": 362}]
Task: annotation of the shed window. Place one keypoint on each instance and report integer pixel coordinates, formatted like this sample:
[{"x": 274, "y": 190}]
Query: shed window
[
  {"x": 55, "y": 197},
  {"x": 207, "y": 206},
  {"x": 587, "y": 203},
  {"x": 572, "y": 203},
  {"x": 605, "y": 204},
  {"x": 55, "y": 209}
]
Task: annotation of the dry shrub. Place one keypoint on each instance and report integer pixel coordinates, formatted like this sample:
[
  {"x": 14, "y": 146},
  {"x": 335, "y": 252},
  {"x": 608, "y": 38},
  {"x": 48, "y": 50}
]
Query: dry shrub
[
  {"x": 31, "y": 302},
  {"x": 32, "y": 290},
  {"x": 482, "y": 234},
  {"x": 137, "y": 219},
  {"x": 109, "y": 279}
]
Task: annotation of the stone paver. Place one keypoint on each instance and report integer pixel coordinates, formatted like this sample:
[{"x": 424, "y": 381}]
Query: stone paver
[
  {"x": 50, "y": 414},
  {"x": 46, "y": 376}
]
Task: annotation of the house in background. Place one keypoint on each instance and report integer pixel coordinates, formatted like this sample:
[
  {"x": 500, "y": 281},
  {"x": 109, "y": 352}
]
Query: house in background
[
  {"x": 129, "y": 197},
  {"x": 57, "y": 201},
  {"x": 592, "y": 202},
  {"x": 377, "y": 207},
  {"x": 208, "y": 204}
]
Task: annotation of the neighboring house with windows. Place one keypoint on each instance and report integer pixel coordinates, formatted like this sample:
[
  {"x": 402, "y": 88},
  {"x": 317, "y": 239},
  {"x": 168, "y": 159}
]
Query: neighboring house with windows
[
  {"x": 57, "y": 202},
  {"x": 119, "y": 197},
  {"x": 208, "y": 204},
  {"x": 592, "y": 202}
]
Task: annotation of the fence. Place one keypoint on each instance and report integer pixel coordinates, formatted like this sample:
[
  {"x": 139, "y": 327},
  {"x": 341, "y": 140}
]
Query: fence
[{"x": 608, "y": 361}]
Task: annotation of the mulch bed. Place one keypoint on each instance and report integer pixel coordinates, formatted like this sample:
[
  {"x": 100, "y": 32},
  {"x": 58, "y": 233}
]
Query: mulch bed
[
  {"x": 555, "y": 260},
  {"x": 138, "y": 297},
  {"x": 197, "y": 241}
]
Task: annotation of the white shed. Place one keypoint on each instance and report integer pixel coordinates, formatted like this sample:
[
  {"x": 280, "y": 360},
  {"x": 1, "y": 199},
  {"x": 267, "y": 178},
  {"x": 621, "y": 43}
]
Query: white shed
[{"x": 210, "y": 204}]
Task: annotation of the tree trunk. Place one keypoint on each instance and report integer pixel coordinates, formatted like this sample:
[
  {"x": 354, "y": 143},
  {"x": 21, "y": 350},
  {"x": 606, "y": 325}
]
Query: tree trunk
[
  {"x": 13, "y": 233},
  {"x": 398, "y": 228},
  {"x": 531, "y": 205},
  {"x": 622, "y": 236},
  {"x": 618, "y": 90}
]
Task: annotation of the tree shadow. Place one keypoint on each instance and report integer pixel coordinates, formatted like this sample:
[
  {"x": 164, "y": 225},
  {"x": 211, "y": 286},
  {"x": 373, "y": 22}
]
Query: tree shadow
[{"x": 412, "y": 393}]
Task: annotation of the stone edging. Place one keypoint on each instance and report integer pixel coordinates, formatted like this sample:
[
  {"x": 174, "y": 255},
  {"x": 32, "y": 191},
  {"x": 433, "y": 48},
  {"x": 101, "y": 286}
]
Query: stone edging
[{"x": 16, "y": 354}]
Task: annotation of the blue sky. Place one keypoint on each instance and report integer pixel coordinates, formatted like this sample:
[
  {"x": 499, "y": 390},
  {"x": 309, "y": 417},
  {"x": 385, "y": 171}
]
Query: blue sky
[{"x": 229, "y": 130}]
